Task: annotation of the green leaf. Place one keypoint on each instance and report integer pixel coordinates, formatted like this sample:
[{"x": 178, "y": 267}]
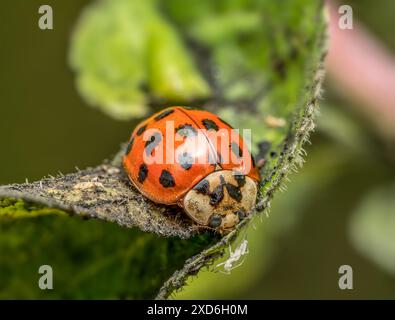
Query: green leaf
[
  {"x": 90, "y": 259},
  {"x": 120, "y": 47},
  {"x": 258, "y": 64}
]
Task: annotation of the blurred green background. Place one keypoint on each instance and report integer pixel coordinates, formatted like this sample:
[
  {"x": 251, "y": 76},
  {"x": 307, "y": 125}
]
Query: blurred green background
[{"x": 338, "y": 209}]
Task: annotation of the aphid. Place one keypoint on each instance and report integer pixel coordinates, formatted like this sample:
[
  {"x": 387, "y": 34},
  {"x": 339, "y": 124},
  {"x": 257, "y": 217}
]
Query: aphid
[
  {"x": 234, "y": 257},
  {"x": 178, "y": 156}
]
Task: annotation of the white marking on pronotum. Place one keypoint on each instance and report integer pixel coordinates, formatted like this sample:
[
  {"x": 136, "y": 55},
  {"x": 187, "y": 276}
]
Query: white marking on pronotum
[{"x": 234, "y": 257}]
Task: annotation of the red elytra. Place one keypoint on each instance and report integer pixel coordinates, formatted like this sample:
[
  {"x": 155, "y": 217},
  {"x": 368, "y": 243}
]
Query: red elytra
[{"x": 167, "y": 183}]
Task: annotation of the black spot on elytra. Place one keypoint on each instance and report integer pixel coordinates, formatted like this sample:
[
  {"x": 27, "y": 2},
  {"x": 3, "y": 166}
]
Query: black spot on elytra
[
  {"x": 202, "y": 187},
  {"x": 143, "y": 171},
  {"x": 152, "y": 142},
  {"x": 185, "y": 160},
  {"x": 210, "y": 124},
  {"x": 186, "y": 130},
  {"x": 236, "y": 149},
  {"x": 164, "y": 114},
  {"x": 234, "y": 192},
  {"x": 240, "y": 179},
  {"x": 166, "y": 179},
  {"x": 129, "y": 147},
  {"x": 224, "y": 122},
  {"x": 141, "y": 130}
]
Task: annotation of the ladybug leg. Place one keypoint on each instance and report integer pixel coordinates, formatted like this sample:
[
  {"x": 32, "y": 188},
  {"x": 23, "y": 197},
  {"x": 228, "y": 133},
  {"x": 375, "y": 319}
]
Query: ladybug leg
[
  {"x": 218, "y": 231},
  {"x": 202, "y": 227}
]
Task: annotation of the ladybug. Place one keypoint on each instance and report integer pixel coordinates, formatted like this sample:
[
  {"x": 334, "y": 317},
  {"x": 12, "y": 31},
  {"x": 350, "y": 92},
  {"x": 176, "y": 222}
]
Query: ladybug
[{"x": 193, "y": 159}]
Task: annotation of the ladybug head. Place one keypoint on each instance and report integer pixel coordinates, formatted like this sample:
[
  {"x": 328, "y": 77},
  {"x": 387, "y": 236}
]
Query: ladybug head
[{"x": 221, "y": 200}]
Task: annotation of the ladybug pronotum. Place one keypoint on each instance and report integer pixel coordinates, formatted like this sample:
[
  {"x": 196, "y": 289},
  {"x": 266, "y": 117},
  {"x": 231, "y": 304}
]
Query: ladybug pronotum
[{"x": 193, "y": 159}]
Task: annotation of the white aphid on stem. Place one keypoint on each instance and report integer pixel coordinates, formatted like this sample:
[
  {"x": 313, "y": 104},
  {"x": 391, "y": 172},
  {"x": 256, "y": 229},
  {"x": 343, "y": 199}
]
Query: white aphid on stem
[{"x": 234, "y": 257}]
